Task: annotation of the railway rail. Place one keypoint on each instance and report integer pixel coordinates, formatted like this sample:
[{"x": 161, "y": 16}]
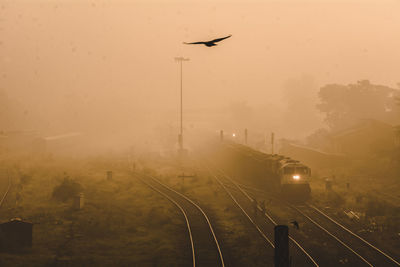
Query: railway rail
[
  {"x": 264, "y": 225},
  {"x": 204, "y": 245},
  {"x": 367, "y": 253},
  {"x": 4, "y": 196},
  {"x": 374, "y": 254}
]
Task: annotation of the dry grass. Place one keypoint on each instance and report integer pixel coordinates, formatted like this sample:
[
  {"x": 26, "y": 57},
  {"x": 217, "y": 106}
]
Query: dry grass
[{"x": 123, "y": 222}]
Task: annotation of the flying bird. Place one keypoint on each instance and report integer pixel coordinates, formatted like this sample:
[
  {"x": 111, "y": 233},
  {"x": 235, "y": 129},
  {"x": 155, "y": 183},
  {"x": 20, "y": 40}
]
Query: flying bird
[
  {"x": 295, "y": 224},
  {"x": 212, "y": 42}
]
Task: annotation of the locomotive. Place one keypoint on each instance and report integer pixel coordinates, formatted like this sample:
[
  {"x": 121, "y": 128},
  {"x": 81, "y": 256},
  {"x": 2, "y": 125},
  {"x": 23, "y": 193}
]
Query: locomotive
[{"x": 272, "y": 172}]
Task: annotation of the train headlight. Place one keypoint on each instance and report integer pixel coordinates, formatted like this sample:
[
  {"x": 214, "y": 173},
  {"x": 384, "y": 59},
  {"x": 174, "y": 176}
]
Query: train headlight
[
  {"x": 233, "y": 135},
  {"x": 296, "y": 177}
]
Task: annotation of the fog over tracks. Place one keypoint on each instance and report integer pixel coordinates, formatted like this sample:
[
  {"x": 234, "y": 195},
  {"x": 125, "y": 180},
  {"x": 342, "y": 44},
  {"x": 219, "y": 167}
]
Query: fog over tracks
[
  {"x": 380, "y": 257},
  {"x": 262, "y": 222},
  {"x": 354, "y": 250}
]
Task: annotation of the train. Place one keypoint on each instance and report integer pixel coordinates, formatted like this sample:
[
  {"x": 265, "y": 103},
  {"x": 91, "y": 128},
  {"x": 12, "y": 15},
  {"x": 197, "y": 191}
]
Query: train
[{"x": 282, "y": 175}]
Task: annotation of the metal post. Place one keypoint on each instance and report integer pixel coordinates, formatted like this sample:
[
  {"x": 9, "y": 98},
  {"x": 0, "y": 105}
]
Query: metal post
[
  {"x": 272, "y": 142},
  {"x": 180, "y": 138},
  {"x": 245, "y": 136},
  {"x": 181, "y": 132},
  {"x": 281, "y": 257},
  {"x": 221, "y": 135}
]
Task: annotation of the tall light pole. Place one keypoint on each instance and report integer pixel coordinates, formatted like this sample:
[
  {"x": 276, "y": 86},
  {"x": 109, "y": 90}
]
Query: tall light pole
[{"x": 180, "y": 139}]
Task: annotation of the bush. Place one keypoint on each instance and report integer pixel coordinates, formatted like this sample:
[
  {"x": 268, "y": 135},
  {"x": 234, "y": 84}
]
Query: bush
[
  {"x": 375, "y": 208},
  {"x": 25, "y": 178},
  {"x": 66, "y": 190},
  {"x": 335, "y": 199}
]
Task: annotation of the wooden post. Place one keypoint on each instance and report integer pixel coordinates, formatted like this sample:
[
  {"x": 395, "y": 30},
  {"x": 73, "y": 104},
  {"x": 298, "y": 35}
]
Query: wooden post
[
  {"x": 281, "y": 257},
  {"x": 109, "y": 175},
  {"x": 221, "y": 135},
  {"x": 328, "y": 185},
  {"x": 183, "y": 176},
  {"x": 245, "y": 136}
]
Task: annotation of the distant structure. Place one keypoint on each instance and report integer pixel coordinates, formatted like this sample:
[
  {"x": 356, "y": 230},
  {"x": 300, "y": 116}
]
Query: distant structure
[
  {"x": 66, "y": 143},
  {"x": 363, "y": 138},
  {"x": 356, "y": 142},
  {"x": 397, "y": 136},
  {"x": 109, "y": 175},
  {"x": 313, "y": 157},
  {"x": 32, "y": 142},
  {"x": 328, "y": 184},
  {"x": 15, "y": 235},
  {"x": 21, "y": 141}
]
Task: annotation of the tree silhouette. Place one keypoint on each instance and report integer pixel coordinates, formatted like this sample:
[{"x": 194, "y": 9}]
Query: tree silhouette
[{"x": 344, "y": 105}]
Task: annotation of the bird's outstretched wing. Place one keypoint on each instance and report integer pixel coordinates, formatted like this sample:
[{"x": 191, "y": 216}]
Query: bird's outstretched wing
[
  {"x": 195, "y": 43},
  {"x": 220, "y": 39}
]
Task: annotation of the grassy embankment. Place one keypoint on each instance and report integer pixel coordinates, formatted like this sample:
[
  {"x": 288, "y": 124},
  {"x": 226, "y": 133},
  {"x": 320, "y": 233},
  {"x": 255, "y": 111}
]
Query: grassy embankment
[{"x": 123, "y": 222}]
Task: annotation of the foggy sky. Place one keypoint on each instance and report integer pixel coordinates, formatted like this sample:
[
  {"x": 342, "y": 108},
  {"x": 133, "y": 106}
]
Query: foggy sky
[{"x": 114, "y": 59}]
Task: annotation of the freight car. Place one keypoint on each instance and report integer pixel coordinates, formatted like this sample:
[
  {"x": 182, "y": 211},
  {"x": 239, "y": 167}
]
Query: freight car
[{"x": 276, "y": 173}]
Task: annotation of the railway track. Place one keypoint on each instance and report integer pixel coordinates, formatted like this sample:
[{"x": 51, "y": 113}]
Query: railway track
[
  {"x": 4, "y": 196},
  {"x": 204, "y": 246},
  {"x": 363, "y": 252},
  {"x": 371, "y": 253},
  {"x": 264, "y": 223}
]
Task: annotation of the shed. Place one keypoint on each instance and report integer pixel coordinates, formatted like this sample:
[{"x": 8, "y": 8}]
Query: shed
[
  {"x": 314, "y": 158},
  {"x": 15, "y": 234},
  {"x": 366, "y": 137},
  {"x": 397, "y": 135}
]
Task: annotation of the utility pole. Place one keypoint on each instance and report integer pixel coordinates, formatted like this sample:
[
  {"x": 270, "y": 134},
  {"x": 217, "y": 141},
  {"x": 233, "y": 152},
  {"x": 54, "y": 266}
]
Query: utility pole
[{"x": 180, "y": 138}]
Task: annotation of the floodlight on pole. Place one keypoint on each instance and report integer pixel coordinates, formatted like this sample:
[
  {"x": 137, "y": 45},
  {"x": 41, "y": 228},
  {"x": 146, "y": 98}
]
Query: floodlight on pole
[{"x": 180, "y": 60}]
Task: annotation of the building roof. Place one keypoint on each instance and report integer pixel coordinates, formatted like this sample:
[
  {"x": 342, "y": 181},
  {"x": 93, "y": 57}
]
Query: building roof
[
  {"x": 62, "y": 136},
  {"x": 317, "y": 151},
  {"x": 363, "y": 125}
]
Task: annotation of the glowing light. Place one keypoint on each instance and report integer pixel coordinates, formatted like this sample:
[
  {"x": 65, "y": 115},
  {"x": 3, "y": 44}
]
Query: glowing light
[
  {"x": 234, "y": 135},
  {"x": 296, "y": 177}
]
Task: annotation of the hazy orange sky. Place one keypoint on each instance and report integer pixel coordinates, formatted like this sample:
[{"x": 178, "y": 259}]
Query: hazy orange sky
[{"x": 120, "y": 54}]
